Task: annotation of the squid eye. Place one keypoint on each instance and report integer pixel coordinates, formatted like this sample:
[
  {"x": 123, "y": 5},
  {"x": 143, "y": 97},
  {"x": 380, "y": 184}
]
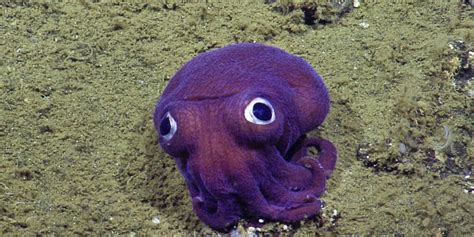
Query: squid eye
[
  {"x": 259, "y": 111},
  {"x": 168, "y": 127}
]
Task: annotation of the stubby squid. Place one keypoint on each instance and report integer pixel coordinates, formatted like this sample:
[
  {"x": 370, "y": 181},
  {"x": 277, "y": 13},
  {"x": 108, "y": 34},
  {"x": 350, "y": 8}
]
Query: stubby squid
[{"x": 235, "y": 120}]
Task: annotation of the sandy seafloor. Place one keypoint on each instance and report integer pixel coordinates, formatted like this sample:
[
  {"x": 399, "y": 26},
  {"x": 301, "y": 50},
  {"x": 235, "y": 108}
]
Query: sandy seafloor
[{"x": 78, "y": 84}]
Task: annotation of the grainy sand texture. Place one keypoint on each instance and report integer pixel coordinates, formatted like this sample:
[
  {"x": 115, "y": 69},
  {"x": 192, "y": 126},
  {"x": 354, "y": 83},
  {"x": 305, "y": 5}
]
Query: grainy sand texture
[{"x": 79, "y": 81}]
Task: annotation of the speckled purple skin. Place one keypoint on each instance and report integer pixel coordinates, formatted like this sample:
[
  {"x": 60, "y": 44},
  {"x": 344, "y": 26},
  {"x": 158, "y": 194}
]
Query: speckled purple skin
[{"x": 237, "y": 169}]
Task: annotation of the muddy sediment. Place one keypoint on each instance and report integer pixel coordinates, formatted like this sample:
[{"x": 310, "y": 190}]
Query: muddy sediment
[{"x": 78, "y": 84}]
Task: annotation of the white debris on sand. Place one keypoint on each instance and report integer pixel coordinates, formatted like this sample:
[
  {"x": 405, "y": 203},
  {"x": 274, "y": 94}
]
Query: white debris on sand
[
  {"x": 356, "y": 3},
  {"x": 364, "y": 25},
  {"x": 155, "y": 220}
]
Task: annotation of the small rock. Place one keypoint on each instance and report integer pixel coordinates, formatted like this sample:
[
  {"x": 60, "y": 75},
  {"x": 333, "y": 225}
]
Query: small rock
[
  {"x": 155, "y": 220},
  {"x": 402, "y": 148},
  {"x": 364, "y": 25},
  {"x": 356, "y": 3}
]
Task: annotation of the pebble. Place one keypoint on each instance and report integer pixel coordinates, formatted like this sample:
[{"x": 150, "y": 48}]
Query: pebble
[
  {"x": 356, "y": 3},
  {"x": 364, "y": 25}
]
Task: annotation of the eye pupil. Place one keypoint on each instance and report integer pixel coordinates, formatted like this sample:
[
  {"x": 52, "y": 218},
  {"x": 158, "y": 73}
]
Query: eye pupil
[
  {"x": 165, "y": 126},
  {"x": 259, "y": 111},
  {"x": 262, "y": 111}
]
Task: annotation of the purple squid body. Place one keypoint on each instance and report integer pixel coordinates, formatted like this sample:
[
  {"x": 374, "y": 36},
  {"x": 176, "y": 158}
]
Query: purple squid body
[{"x": 235, "y": 120}]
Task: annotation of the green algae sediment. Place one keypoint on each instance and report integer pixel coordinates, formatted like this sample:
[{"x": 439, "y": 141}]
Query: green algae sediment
[{"x": 79, "y": 82}]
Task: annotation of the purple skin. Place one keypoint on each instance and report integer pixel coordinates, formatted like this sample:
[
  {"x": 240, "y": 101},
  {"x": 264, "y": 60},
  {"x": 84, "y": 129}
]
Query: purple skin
[{"x": 235, "y": 120}]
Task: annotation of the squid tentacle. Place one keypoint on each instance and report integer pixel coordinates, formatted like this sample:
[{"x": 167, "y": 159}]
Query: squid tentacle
[
  {"x": 224, "y": 217},
  {"x": 259, "y": 205},
  {"x": 318, "y": 177},
  {"x": 327, "y": 153}
]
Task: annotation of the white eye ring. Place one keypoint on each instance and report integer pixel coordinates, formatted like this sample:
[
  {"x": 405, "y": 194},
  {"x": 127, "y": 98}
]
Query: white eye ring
[
  {"x": 170, "y": 127},
  {"x": 264, "y": 119}
]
